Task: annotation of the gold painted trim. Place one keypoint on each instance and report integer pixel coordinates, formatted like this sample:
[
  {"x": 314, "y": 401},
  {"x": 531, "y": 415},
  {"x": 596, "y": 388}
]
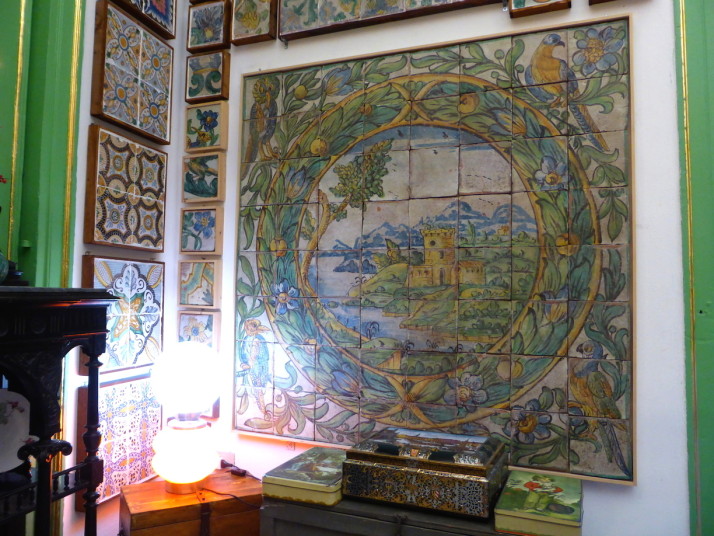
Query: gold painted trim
[
  {"x": 16, "y": 126},
  {"x": 696, "y": 455},
  {"x": 71, "y": 142}
]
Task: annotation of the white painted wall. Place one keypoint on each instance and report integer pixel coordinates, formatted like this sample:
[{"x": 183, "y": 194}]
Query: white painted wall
[{"x": 658, "y": 504}]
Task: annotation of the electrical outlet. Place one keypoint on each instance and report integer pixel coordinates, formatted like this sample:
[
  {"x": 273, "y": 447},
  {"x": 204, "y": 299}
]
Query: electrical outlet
[{"x": 291, "y": 445}]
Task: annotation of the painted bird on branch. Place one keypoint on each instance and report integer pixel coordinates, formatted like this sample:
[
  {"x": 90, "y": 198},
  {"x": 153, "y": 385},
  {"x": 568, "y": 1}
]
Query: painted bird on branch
[
  {"x": 263, "y": 120},
  {"x": 545, "y": 75}
]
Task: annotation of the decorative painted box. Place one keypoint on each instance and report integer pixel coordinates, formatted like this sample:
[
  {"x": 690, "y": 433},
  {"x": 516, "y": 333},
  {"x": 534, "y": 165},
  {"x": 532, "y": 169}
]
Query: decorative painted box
[
  {"x": 446, "y": 472},
  {"x": 541, "y": 505},
  {"x": 315, "y": 476}
]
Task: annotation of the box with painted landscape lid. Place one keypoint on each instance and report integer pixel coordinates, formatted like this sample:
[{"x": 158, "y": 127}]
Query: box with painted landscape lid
[{"x": 434, "y": 470}]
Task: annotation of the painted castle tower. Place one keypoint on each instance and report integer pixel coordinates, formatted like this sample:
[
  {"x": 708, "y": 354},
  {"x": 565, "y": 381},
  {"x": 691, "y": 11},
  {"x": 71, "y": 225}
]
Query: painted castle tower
[{"x": 440, "y": 265}]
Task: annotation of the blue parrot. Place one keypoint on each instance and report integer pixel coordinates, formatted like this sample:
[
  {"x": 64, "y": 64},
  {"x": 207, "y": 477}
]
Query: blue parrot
[
  {"x": 545, "y": 68},
  {"x": 255, "y": 360}
]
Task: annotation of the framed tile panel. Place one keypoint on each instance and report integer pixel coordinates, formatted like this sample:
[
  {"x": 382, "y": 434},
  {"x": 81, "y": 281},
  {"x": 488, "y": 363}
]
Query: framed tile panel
[
  {"x": 253, "y": 21},
  {"x": 200, "y": 284},
  {"x": 135, "y": 321},
  {"x": 202, "y": 230},
  {"x": 126, "y": 192},
  {"x": 204, "y": 177},
  {"x": 131, "y": 75},
  {"x": 160, "y": 15},
  {"x": 208, "y": 26},
  {"x": 208, "y": 76},
  {"x": 206, "y": 127},
  {"x": 199, "y": 326},
  {"x": 522, "y": 8}
]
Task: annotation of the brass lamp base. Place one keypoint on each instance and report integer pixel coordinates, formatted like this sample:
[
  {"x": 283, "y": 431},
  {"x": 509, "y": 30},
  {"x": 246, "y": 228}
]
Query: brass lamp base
[{"x": 184, "y": 489}]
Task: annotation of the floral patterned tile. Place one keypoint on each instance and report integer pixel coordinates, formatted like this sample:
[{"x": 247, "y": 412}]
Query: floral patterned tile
[
  {"x": 426, "y": 112},
  {"x": 484, "y": 273},
  {"x": 599, "y": 388},
  {"x": 298, "y": 17},
  {"x": 598, "y": 50},
  {"x": 434, "y": 172},
  {"x": 369, "y": 410},
  {"x": 532, "y": 67},
  {"x": 333, "y": 12},
  {"x": 485, "y": 168},
  {"x": 384, "y": 68},
  {"x": 379, "y": 8},
  {"x": 594, "y": 119},
  {"x": 606, "y": 333},
  {"x": 255, "y": 179},
  {"x": 538, "y": 439},
  {"x": 486, "y": 60},
  {"x": 334, "y": 375},
  {"x": 301, "y": 90},
  {"x": 337, "y": 420},
  {"x": 614, "y": 282},
  {"x": 302, "y": 414},
  {"x": 302, "y": 379},
  {"x": 605, "y": 167},
  {"x": 540, "y": 328},
  {"x": 614, "y": 213},
  {"x": 486, "y": 423},
  {"x": 482, "y": 381},
  {"x": 252, "y": 409},
  {"x": 340, "y": 80},
  {"x": 551, "y": 382},
  {"x": 601, "y": 447},
  {"x": 494, "y": 126},
  {"x": 547, "y": 172}
]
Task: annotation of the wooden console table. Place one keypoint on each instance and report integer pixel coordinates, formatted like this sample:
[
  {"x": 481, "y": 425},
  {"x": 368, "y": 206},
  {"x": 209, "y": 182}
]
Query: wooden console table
[{"x": 38, "y": 326}]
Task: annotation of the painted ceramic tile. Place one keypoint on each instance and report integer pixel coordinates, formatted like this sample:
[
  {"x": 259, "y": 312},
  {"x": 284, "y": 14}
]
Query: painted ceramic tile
[
  {"x": 199, "y": 285},
  {"x": 204, "y": 177},
  {"x": 521, "y": 8},
  {"x": 614, "y": 461},
  {"x": 129, "y": 419},
  {"x": 296, "y": 17},
  {"x": 598, "y": 50},
  {"x": 202, "y": 230},
  {"x": 206, "y": 127},
  {"x": 199, "y": 326},
  {"x": 135, "y": 320},
  {"x": 335, "y": 12},
  {"x": 253, "y": 21},
  {"x": 125, "y": 194},
  {"x": 207, "y": 76},
  {"x": 159, "y": 14},
  {"x": 131, "y": 85},
  {"x": 444, "y": 239},
  {"x": 599, "y": 387},
  {"x": 208, "y": 26}
]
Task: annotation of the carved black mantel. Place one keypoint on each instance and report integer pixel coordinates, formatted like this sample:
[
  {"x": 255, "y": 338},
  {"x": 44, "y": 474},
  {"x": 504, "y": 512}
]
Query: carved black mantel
[{"x": 37, "y": 328}]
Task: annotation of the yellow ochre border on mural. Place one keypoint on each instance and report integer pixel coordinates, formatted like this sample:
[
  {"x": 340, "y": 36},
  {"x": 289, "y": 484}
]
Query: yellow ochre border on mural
[{"x": 16, "y": 125}]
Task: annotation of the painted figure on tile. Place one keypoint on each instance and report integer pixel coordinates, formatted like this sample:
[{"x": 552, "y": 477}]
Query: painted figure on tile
[{"x": 263, "y": 119}]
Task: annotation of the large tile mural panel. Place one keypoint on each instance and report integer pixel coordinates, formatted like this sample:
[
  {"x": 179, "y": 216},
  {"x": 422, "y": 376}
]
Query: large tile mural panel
[{"x": 441, "y": 239}]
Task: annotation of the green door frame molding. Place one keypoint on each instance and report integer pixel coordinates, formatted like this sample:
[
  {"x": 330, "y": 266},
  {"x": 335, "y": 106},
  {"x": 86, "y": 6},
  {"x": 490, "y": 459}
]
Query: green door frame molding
[
  {"x": 695, "y": 19},
  {"x": 44, "y": 147}
]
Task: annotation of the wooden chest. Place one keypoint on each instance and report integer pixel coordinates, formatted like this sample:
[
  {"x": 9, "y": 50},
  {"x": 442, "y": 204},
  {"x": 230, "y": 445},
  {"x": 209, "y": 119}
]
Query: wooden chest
[{"x": 227, "y": 506}]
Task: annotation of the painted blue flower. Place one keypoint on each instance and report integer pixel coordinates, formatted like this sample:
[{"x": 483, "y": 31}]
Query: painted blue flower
[
  {"x": 466, "y": 391},
  {"x": 596, "y": 52},
  {"x": 283, "y": 297},
  {"x": 552, "y": 175},
  {"x": 204, "y": 223},
  {"x": 297, "y": 181},
  {"x": 526, "y": 425},
  {"x": 335, "y": 82},
  {"x": 578, "y": 425},
  {"x": 208, "y": 119},
  {"x": 344, "y": 382}
]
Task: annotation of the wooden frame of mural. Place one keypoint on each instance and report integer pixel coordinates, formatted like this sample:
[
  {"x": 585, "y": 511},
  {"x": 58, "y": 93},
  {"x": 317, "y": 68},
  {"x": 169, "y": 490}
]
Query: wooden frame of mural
[
  {"x": 131, "y": 75},
  {"x": 442, "y": 239},
  {"x": 159, "y": 15},
  {"x": 129, "y": 419},
  {"x": 333, "y": 16},
  {"x": 208, "y": 76},
  {"x": 200, "y": 284},
  {"x": 208, "y": 26},
  {"x": 135, "y": 321},
  {"x": 253, "y": 21},
  {"x": 126, "y": 191},
  {"x": 206, "y": 127},
  {"x": 594, "y": 2},
  {"x": 522, "y": 8},
  {"x": 199, "y": 326},
  {"x": 202, "y": 230},
  {"x": 204, "y": 177}
]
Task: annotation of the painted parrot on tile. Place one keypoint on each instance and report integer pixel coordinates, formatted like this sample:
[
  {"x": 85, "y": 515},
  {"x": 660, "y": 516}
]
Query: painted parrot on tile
[
  {"x": 255, "y": 360},
  {"x": 263, "y": 120},
  {"x": 545, "y": 68},
  {"x": 592, "y": 391}
]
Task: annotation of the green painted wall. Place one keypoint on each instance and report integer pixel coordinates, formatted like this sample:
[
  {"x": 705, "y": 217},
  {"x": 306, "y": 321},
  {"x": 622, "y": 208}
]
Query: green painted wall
[
  {"x": 695, "y": 20},
  {"x": 37, "y": 231}
]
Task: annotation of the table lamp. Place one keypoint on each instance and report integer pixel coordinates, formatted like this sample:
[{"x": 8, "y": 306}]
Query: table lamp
[{"x": 184, "y": 381}]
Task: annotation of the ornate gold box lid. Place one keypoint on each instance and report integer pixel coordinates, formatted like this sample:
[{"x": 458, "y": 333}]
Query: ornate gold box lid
[{"x": 437, "y": 451}]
